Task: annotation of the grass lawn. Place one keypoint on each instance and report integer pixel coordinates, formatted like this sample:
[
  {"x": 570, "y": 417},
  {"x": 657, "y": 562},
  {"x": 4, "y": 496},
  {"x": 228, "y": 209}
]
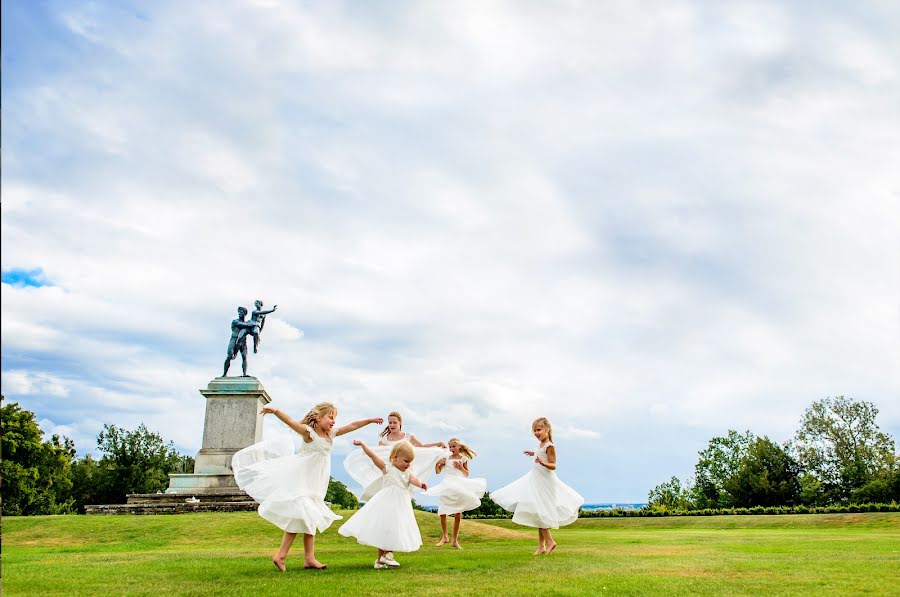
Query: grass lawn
[{"x": 229, "y": 554}]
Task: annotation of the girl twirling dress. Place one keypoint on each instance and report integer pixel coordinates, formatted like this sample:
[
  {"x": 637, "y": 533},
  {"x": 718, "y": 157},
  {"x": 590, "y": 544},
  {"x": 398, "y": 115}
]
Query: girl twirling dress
[
  {"x": 289, "y": 481},
  {"x": 539, "y": 499},
  {"x": 457, "y": 493},
  {"x": 363, "y": 471},
  {"x": 387, "y": 520}
]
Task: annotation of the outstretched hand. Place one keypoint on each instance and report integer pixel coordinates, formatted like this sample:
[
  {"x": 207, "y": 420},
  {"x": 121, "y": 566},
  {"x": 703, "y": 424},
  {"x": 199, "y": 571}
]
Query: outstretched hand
[
  {"x": 528, "y": 453},
  {"x": 424, "y": 486},
  {"x": 358, "y": 442},
  {"x": 267, "y": 410},
  {"x": 378, "y": 420}
]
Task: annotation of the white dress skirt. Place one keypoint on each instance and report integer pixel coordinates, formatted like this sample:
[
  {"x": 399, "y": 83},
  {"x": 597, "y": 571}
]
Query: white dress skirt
[
  {"x": 387, "y": 520},
  {"x": 362, "y": 470},
  {"x": 539, "y": 499},
  {"x": 289, "y": 477},
  {"x": 457, "y": 493}
]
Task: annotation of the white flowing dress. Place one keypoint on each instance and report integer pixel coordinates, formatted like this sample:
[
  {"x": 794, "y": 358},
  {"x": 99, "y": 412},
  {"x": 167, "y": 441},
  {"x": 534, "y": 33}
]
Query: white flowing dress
[
  {"x": 457, "y": 493},
  {"x": 289, "y": 478},
  {"x": 387, "y": 520},
  {"x": 539, "y": 499},
  {"x": 362, "y": 470}
]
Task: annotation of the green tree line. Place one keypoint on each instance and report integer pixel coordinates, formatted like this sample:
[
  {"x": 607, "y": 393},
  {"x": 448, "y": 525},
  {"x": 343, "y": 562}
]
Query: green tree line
[
  {"x": 45, "y": 476},
  {"x": 837, "y": 456}
]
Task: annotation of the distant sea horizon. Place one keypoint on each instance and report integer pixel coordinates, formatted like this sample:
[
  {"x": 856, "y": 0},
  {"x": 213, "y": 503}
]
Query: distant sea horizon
[{"x": 591, "y": 506}]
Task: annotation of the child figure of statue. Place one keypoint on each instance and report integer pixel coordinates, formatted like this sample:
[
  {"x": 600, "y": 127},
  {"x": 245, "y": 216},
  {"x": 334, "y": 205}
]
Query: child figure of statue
[{"x": 258, "y": 319}]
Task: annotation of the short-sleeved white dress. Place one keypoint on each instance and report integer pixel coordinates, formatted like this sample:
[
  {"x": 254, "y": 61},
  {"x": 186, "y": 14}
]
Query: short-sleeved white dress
[
  {"x": 539, "y": 499},
  {"x": 456, "y": 492},
  {"x": 387, "y": 520},
  {"x": 289, "y": 479}
]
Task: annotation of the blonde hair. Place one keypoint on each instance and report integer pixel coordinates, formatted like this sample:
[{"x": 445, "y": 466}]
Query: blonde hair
[
  {"x": 387, "y": 429},
  {"x": 319, "y": 410},
  {"x": 463, "y": 448},
  {"x": 543, "y": 421},
  {"x": 402, "y": 449}
]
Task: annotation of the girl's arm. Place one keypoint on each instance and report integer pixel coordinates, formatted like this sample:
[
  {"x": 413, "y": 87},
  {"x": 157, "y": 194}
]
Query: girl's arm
[
  {"x": 439, "y": 466},
  {"x": 356, "y": 425},
  {"x": 292, "y": 423},
  {"x": 418, "y": 444},
  {"x": 550, "y": 463},
  {"x": 378, "y": 462},
  {"x": 462, "y": 467},
  {"x": 529, "y": 452},
  {"x": 413, "y": 480}
]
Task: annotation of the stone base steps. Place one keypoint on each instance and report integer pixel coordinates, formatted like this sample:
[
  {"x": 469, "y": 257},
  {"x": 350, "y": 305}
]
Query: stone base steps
[
  {"x": 179, "y": 498},
  {"x": 173, "y": 508}
]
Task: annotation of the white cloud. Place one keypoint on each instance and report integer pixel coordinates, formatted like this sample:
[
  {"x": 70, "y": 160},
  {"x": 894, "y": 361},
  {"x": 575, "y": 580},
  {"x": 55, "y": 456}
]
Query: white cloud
[{"x": 649, "y": 222}]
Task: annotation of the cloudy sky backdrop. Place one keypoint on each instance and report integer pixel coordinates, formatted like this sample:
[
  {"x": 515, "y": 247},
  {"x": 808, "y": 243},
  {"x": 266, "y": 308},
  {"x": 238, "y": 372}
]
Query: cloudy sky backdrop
[{"x": 650, "y": 222}]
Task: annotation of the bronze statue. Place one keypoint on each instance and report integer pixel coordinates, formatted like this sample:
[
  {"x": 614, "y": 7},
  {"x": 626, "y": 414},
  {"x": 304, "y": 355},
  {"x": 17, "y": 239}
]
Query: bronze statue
[{"x": 238, "y": 341}]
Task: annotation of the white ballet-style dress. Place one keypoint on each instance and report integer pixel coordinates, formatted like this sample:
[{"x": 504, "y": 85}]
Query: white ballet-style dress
[
  {"x": 387, "y": 521},
  {"x": 362, "y": 470},
  {"x": 457, "y": 493},
  {"x": 289, "y": 478},
  {"x": 539, "y": 499}
]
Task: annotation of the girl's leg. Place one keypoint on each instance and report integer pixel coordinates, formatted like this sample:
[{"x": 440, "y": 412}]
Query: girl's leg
[
  {"x": 309, "y": 553},
  {"x": 549, "y": 543},
  {"x": 457, "y": 519},
  {"x": 444, "y": 537},
  {"x": 540, "y": 547},
  {"x": 286, "y": 541}
]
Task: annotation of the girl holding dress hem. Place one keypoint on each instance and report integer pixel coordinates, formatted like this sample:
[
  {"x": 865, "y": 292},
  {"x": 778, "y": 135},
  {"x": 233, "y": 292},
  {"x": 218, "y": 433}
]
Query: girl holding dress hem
[
  {"x": 458, "y": 492},
  {"x": 539, "y": 499}
]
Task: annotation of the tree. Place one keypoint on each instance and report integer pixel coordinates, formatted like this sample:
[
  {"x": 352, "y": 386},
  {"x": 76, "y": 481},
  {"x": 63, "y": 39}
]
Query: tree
[
  {"x": 766, "y": 476},
  {"x": 670, "y": 495},
  {"x": 136, "y": 461},
  {"x": 840, "y": 443},
  {"x": 35, "y": 472},
  {"x": 339, "y": 495},
  {"x": 488, "y": 508},
  {"x": 719, "y": 463}
]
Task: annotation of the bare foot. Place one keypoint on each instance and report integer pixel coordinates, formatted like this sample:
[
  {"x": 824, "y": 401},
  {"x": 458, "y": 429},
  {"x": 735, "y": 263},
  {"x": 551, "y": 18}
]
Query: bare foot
[
  {"x": 314, "y": 564},
  {"x": 539, "y": 551},
  {"x": 551, "y": 548},
  {"x": 456, "y": 545},
  {"x": 442, "y": 541},
  {"x": 279, "y": 563}
]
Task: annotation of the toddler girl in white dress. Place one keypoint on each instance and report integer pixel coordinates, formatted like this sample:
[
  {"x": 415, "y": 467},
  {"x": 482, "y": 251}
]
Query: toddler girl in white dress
[
  {"x": 370, "y": 479},
  {"x": 290, "y": 484},
  {"x": 387, "y": 521},
  {"x": 458, "y": 492},
  {"x": 539, "y": 499}
]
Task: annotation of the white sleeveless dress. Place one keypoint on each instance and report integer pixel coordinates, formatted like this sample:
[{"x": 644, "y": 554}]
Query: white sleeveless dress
[
  {"x": 539, "y": 499},
  {"x": 457, "y": 493},
  {"x": 289, "y": 478},
  {"x": 362, "y": 470},
  {"x": 387, "y": 520}
]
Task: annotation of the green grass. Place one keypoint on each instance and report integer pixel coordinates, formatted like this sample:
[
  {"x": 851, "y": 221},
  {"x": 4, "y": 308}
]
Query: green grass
[{"x": 210, "y": 554}]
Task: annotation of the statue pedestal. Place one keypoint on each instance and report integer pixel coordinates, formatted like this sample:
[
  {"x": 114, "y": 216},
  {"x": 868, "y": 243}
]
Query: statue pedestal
[{"x": 232, "y": 422}]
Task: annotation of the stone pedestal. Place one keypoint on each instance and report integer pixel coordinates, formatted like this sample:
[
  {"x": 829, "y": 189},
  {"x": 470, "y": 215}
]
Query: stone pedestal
[{"x": 232, "y": 422}]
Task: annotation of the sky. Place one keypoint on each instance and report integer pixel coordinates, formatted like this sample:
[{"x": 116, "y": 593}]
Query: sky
[{"x": 650, "y": 222}]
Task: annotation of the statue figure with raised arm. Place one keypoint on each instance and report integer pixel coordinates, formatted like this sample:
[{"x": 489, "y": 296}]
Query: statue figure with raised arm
[
  {"x": 238, "y": 342},
  {"x": 258, "y": 318}
]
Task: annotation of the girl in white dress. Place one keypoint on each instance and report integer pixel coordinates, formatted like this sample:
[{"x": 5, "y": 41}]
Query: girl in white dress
[
  {"x": 386, "y": 521},
  {"x": 361, "y": 469},
  {"x": 539, "y": 499},
  {"x": 290, "y": 484},
  {"x": 457, "y": 492}
]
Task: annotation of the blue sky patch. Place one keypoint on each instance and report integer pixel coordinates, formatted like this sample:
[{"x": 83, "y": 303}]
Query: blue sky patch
[{"x": 25, "y": 277}]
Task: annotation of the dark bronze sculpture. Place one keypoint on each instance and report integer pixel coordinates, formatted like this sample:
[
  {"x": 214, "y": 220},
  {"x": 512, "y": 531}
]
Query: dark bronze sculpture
[{"x": 240, "y": 329}]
